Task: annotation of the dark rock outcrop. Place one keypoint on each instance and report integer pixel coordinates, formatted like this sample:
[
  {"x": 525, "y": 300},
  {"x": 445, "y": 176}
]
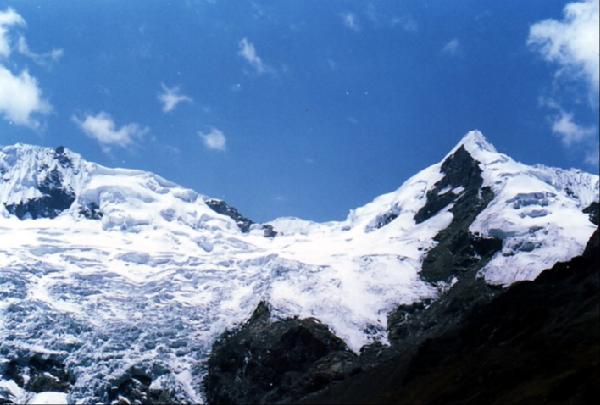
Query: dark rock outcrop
[
  {"x": 593, "y": 210},
  {"x": 273, "y": 361},
  {"x": 135, "y": 387},
  {"x": 61, "y": 156},
  {"x": 458, "y": 252},
  {"x": 269, "y": 231},
  {"x": 221, "y": 207},
  {"x": 456, "y": 258},
  {"x": 55, "y": 199},
  {"x": 91, "y": 211},
  {"x": 460, "y": 170},
  {"x": 36, "y": 372},
  {"x": 384, "y": 219}
]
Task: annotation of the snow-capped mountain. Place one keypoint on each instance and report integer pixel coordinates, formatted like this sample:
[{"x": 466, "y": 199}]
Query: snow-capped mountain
[{"x": 103, "y": 271}]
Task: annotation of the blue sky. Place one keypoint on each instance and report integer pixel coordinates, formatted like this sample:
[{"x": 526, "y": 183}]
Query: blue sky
[{"x": 305, "y": 108}]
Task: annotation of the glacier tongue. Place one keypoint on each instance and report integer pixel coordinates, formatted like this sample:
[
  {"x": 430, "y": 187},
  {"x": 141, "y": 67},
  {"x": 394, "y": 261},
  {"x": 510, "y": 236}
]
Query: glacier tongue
[{"x": 156, "y": 275}]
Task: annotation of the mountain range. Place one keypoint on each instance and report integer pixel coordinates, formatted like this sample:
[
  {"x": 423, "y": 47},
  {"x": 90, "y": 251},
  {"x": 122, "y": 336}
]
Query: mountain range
[{"x": 118, "y": 286}]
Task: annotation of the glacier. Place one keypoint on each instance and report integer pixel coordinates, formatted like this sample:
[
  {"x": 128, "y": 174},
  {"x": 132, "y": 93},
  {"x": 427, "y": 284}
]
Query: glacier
[{"x": 126, "y": 269}]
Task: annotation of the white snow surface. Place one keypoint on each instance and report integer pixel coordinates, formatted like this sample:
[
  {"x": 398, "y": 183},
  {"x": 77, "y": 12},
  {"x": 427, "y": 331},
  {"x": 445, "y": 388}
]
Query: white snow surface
[
  {"x": 161, "y": 276},
  {"x": 537, "y": 211},
  {"x": 48, "y": 398}
]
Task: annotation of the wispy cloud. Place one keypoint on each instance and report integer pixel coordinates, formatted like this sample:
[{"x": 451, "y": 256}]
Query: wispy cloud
[
  {"x": 8, "y": 18},
  {"x": 213, "y": 139},
  {"x": 568, "y": 131},
  {"x": 170, "y": 97},
  {"x": 452, "y": 47},
  {"x": 350, "y": 21},
  {"x": 103, "y": 129},
  {"x": 572, "y": 42},
  {"x": 371, "y": 13},
  {"x": 44, "y": 58},
  {"x": 406, "y": 22},
  {"x": 248, "y": 52}
]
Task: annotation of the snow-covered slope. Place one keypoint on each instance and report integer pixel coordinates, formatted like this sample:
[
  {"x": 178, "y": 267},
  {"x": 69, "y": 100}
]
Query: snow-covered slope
[{"x": 122, "y": 268}]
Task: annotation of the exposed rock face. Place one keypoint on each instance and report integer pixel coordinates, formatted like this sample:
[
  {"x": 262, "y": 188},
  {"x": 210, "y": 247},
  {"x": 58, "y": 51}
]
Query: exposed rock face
[
  {"x": 458, "y": 252},
  {"x": 272, "y": 361},
  {"x": 456, "y": 258},
  {"x": 221, "y": 207},
  {"x": 593, "y": 210},
  {"x": 135, "y": 387},
  {"x": 63, "y": 159},
  {"x": 55, "y": 199},
  {"x": 384, "y": 219},
  {"x": 537, "y": 342},
  {"x": 269, "y": 231},
  {"x": 460, "y": 171},
  {"x": 91, "y": 211},
  {"x": 37, "y": 372}
]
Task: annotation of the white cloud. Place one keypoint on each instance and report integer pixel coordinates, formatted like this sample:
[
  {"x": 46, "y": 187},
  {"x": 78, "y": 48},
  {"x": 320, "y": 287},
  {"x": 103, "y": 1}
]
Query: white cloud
[
  {"x": 350, "y": 21},
  {"x": 452, "y": 47},
  {"x": 170, "y": 97},
  {"x": 213, "y": 139},
  {"x": 21, "y": 97},
  {"x": 102, "y": 128},
  {"x": 248, "y": 52},
  {"x": 8, "y": 18},
  {"x": 569, "y": 131},
  {"x": 45, "y": 58},
  {"x": 571, "y": 42}
]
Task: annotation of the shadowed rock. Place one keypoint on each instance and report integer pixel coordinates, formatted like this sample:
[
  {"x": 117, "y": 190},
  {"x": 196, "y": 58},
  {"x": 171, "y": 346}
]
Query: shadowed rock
[
  {"x": 593, "y": 210},
  {"x": 221, "y": 207},
  {"x": 537, "y": 342},
  {"x": 271, "y": 361},
  {"x": 54, "y": 200}
]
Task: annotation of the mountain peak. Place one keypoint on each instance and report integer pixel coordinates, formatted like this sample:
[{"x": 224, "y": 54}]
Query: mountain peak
[
  {"x": 474, "y": 141},
  {"x": 476, "y": 144}
]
